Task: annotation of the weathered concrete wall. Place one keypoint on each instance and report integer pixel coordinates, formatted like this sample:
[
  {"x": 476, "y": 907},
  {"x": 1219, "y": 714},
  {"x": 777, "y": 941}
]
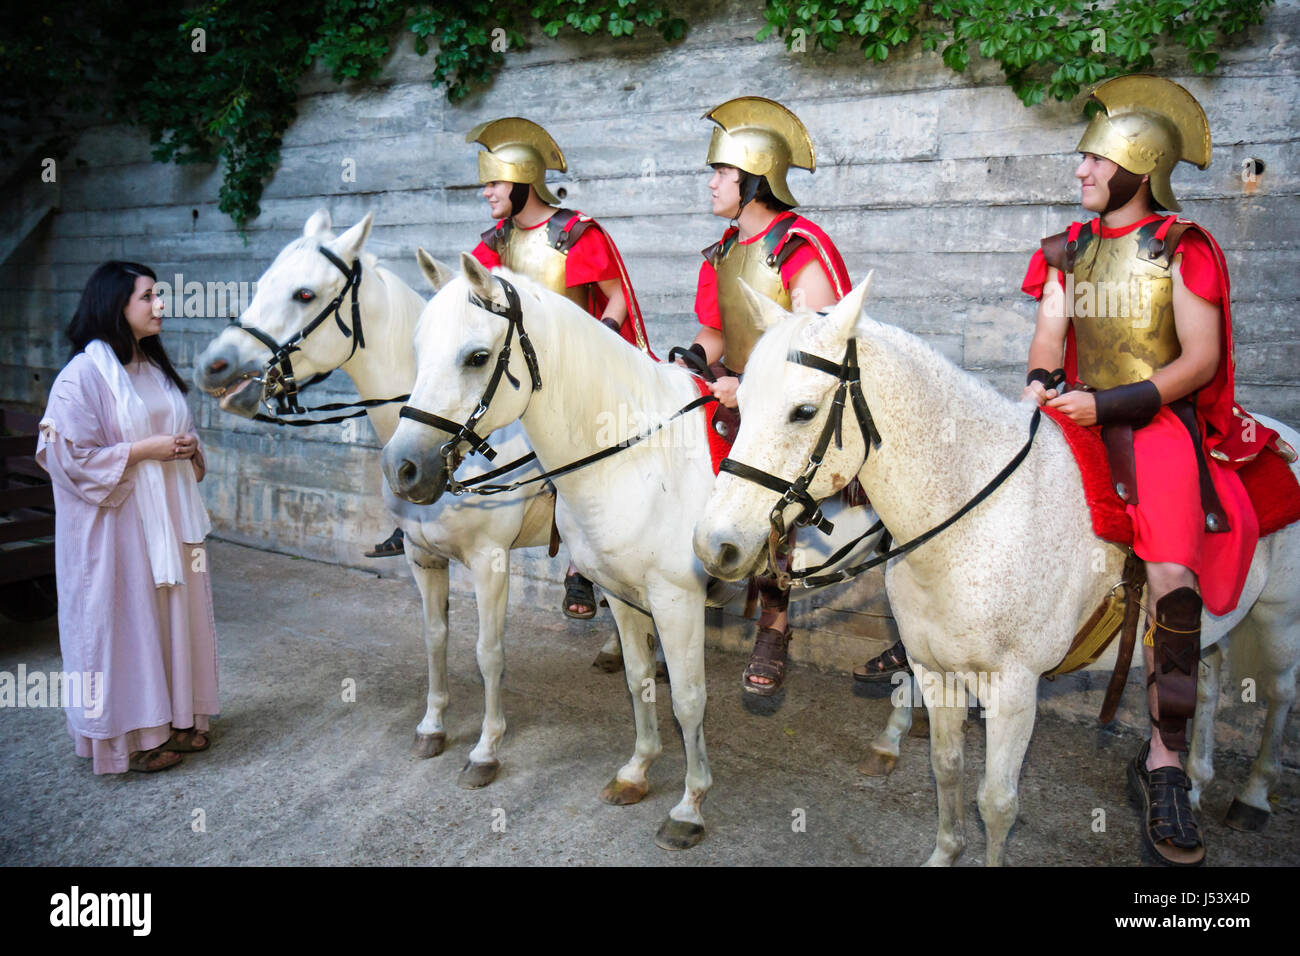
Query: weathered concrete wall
[{"x": 941, "y": 183}]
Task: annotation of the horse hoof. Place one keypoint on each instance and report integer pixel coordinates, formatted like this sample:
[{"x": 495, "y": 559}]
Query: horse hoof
[
  {"x": 677, "y": 835},
  {"x": 661, "y": 672},
  {"x": 476, "y": 775},
  {"x": 608, "y": 663},
  {"x": 920, "y": 726},
  {"x": 877, "y": 764},
  {"x": 428, "y": 745},
  {"x": 620, "y": 793},
  {"x": 1244, "y": 817}
]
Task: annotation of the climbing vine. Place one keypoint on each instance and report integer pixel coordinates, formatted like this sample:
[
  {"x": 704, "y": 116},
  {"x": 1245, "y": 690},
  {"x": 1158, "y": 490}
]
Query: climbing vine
[
  {"x": 218, "y": 80},
  {"x": 1044, "y": 47}
]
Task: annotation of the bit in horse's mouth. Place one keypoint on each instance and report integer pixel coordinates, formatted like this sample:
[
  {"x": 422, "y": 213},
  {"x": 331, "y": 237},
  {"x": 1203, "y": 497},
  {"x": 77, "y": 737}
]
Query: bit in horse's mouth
[{"x": 228, "y": 392}]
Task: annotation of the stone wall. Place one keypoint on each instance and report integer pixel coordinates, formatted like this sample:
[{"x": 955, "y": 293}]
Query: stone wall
[{"x": 941, "y": 183}]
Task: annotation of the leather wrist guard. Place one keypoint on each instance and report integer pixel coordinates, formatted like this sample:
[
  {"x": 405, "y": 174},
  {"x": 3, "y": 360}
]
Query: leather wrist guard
[
  {"x": 698, "y": 349},
  {"x": 1049, "y": 379},
  {"x": 1134, "y": 404}
]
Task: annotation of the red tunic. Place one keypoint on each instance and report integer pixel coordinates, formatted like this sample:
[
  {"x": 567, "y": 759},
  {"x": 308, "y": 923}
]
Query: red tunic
[
  {"x": 816, "y": 246},
  {"x": 591, "y": 259},
  {"x": 1167, "y": 520}
]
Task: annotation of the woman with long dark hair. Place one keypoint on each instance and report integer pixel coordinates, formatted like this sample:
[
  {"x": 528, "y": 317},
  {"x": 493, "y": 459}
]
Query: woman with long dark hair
[{"x": 135, "y": 605}]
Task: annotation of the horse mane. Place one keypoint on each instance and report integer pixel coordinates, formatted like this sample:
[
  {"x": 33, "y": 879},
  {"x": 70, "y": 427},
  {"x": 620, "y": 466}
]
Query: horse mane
[{"x": 961, "y": 388}]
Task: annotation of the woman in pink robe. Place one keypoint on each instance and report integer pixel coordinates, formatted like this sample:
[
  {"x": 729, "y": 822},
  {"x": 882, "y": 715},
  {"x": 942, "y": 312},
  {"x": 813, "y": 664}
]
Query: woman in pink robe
[{"x": 151, "y": 645}]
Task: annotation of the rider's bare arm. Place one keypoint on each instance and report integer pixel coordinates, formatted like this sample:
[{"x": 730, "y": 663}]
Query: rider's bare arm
[
  {"x": 1048, "y": 346},
  {"x": 811, "y": 289},
  {"x": 711, "y": 341},
  {"x": 1198, "y": 323},
  {"x": 616, "y": 308}
]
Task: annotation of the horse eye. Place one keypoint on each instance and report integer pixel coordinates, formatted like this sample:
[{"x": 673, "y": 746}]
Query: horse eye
[
  {"x": 803, "y": 413},
  {"x": 477, "y": 359},
  {"x": 304, "y": 295}
]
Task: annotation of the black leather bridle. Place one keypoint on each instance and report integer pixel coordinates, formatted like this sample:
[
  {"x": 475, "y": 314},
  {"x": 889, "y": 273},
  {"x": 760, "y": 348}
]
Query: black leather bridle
[
  {"x": 847, "y": 391},
  {"x": 278, "y": 369},
  {"x": 514, "y": 316}
]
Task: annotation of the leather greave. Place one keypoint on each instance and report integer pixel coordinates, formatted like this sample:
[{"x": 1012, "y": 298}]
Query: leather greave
[{"x": 1177, "y": 656}]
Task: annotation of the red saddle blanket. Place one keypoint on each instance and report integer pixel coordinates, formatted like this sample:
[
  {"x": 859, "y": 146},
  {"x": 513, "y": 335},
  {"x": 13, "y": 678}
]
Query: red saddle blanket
[
  {"x": 719, "y": 446},
  {"x": 1268, "y": 479}
]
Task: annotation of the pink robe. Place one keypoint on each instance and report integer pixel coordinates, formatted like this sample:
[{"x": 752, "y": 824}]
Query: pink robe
[{"x": 155, "y": 647}]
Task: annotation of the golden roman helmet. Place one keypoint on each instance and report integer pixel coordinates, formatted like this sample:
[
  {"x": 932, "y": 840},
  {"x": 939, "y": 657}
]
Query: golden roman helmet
[
  {"x": 518, "y": 151},
  {"x": 1147, "y": 124},
  {"x": 762, "y": 137}
]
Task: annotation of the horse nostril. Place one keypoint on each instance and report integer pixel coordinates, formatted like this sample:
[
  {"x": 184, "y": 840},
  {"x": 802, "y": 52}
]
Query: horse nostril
[
  {"x": 220, "y": 365},
  {"x": 407, "y": 472},
  {"x": 728, "y": 555}
]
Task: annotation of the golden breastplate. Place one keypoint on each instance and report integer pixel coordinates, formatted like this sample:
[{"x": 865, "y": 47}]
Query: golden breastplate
[
  {"x": 1122, "y": 301},
  {"x": 529, "y": 252},
  {"x": 754, "y": 262}
]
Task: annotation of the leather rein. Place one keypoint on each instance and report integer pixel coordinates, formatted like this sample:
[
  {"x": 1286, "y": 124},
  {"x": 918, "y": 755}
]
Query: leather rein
[
  {"x": 278, "y": 369},
  {"x": 848, "y": 391},
  {"x": 512, "y": 312}
]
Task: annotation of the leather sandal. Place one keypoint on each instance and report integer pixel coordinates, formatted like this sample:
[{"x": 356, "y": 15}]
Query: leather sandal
[
  {"x": 1169, "y": 828},
  {"x": 152, "y": 761},
  {"x": 767, "y": 661},
  {"x": 883, "y": 667},
  {"x": 578, "y": 590},
  {"x": 184, "y": 741},
  {"x": 390, "y": 547}
]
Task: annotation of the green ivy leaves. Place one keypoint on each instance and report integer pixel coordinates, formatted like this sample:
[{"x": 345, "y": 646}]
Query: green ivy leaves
[{"x": 1044, "y": 47}]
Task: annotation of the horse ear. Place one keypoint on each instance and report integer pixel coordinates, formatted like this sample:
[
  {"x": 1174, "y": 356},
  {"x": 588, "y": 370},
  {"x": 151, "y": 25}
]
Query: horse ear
[
  {"x": 436, "y": 272},
  {"x": 349, "y": 244},
  {"x": 844, "y": 317},
  {"x": 480, "y": 279},
  {"x": 764, "y": 311},
  {"x": 318, "y": 224}
]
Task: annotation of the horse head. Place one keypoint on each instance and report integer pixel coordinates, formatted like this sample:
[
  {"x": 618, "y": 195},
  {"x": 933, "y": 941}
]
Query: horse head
[
  {"x": 305, "y": 278},
  {"x": 474, "y": 375},
  {"x": 790, "y": 406}
]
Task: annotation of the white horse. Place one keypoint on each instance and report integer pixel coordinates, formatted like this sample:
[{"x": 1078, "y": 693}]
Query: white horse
[
  {"x": 477, "y": 533},
  {"x": 628, "y": 519},
  {"x": 998, "y": 595}
]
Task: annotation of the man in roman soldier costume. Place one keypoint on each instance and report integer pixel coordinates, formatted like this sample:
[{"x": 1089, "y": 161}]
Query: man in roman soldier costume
[
  {"x": 779, "y": 254},
  {"x": 1134, "y": 333},
  {"x": 562, "y": 249}
]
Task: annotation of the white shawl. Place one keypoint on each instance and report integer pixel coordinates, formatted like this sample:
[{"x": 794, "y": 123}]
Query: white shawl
[{"x": 152, "y": 477}]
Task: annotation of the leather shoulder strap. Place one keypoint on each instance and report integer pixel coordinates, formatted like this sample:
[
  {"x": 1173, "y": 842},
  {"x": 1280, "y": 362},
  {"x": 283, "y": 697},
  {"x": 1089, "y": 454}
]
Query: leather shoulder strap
[
  {"x": 495, "y": 237},
  {"x": 1054, "y": 250},
  {"x": 782, "y": 243},
  {"x": 565, "y": 228}
]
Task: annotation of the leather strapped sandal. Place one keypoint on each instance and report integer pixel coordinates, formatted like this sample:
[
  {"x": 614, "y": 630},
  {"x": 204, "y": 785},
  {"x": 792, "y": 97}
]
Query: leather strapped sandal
[
  {"x": 151, "y": 761},
  {"x": 390, "y": 547},
  {"x": 187, "y": 741},
  {"x": 578, "y": 590},
  {"x": 767, "y": 661},
  {"x": 883, "y": 667},
  {"x": 1169, "y": 828}
]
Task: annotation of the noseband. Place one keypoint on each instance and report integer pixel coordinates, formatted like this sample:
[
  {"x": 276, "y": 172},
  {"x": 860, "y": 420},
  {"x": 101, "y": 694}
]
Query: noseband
[
  {"x": 849, "y": 390},
  {"x": 514, "y": 316},
  {"x": 279, "y": 368}
]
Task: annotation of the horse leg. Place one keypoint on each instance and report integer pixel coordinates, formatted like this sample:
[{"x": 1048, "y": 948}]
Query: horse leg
[
  {"x": 431, "y": 577},
  {"x": 1009, "y": 711},
  {"x": 947, "y": 759},
  {"x": 491, "y": 589},
  {"x": 610, "y": 658},
  {"x": 636, "y": 634},
  {"x": 883, "y": 755},
  {"x": 1200, "y": 759},
  {"x": 682, "y": 639},
  {"x": 1250, "y": 809}
]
